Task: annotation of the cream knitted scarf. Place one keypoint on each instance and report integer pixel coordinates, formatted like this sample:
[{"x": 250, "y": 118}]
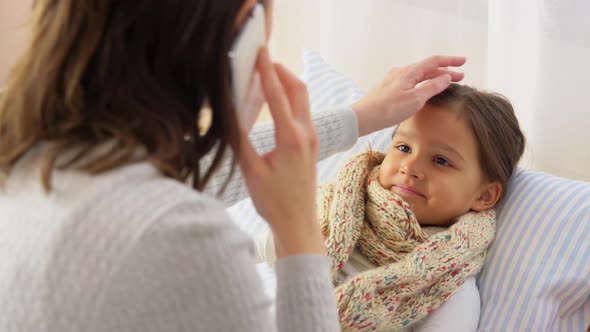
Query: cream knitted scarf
[{"x": 416, "y": 273}]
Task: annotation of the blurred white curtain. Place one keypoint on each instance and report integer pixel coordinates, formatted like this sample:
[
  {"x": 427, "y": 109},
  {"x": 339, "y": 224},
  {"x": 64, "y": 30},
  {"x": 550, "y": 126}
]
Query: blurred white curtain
[
  {"x": 535, "y": 52},
  {"x": 539, "y": 56}
]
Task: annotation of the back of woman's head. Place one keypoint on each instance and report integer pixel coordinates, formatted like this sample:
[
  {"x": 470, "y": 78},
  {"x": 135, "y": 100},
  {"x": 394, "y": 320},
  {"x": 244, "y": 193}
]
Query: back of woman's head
[
  {"x": 136, "y": 73},
  {"x": 499, "y": 137}
]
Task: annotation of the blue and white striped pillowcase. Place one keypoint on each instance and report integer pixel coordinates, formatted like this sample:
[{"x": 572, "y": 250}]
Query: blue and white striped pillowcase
[{"x": 537, "y": 277}]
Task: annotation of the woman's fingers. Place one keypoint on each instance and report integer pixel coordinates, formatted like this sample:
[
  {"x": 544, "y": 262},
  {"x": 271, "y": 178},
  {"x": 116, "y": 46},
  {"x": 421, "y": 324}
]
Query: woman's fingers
[
  {"x": 249, "y": 160},
  {"x": 432, "y": 87},
  {"x": 427, "y": 68},
  {"x": 455, "y": 75},
  {"x": 274, "y": 92},
  {"x": 299, "y": 100},
  {"x": 436, "y": 61},
  {"x": 296, "y": 93}
]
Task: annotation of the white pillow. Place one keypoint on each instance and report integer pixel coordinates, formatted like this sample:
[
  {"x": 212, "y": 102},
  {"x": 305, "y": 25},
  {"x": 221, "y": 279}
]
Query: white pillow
[{"x": 538, "y": 274}]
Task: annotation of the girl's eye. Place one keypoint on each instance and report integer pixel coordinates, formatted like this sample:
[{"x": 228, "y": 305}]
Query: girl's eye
[
  {"x": 441, "y": 161},
  {"x": 403, "y": 148}
]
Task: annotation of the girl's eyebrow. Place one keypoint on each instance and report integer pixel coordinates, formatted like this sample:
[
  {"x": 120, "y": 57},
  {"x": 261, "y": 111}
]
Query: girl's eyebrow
[
  {"x": 401, "y": 133},
  {"x": 451, "y": 150}
]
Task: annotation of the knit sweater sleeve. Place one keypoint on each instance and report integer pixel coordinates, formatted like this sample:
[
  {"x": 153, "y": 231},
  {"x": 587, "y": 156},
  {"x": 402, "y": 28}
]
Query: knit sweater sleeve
[
  {"x": 193, "y": 270},
  {"x": 337, "y": 130}
]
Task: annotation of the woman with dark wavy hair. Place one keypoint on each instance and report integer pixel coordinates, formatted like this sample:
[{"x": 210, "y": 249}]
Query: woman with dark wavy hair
[{"x": 108, "y": 223}]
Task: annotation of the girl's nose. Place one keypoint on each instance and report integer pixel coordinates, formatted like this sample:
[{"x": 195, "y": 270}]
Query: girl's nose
[{"x": 412, "y": 167}]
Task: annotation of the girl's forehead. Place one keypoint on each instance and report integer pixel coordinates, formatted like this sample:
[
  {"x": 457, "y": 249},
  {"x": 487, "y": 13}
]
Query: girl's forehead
[
  {"x": 439, "y": 127},
  {"x": 436, "y": 119}
]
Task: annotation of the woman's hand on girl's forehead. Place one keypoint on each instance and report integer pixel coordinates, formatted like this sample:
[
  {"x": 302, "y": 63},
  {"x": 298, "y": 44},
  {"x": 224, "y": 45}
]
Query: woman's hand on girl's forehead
[{"x": 404, "y": 91}]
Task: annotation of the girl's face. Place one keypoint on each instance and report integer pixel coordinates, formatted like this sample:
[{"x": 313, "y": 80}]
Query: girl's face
[{"x": 433, "y": 164}]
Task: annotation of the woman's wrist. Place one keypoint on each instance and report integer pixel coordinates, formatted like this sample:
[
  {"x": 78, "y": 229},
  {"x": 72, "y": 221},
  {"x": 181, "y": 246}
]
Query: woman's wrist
[
  {"x": 365, "y": 112},
  {"x": 299, "y": 241},
  {"x": 360, "y": 119}
]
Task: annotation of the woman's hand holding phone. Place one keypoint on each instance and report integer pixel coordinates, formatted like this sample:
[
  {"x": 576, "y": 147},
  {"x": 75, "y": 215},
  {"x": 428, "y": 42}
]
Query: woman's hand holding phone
[{"x": 282, "y": 182}]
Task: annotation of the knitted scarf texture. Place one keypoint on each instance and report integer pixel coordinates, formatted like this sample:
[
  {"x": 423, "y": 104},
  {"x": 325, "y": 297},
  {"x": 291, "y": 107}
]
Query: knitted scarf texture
[{"x": 416, "y": 272}]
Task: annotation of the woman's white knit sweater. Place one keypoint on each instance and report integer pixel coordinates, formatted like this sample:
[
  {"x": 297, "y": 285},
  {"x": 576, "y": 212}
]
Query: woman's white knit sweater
[{"x": 132, "y": 250}]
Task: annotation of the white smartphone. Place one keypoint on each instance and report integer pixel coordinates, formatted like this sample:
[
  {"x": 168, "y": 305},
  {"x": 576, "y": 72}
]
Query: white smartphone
[{"x": 242, "y": 57}]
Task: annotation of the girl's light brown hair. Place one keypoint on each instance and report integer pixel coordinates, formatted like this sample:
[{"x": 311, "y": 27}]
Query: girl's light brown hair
[
  {"x": 133, "y": 73},
  {"x": 500, "y": 139}
]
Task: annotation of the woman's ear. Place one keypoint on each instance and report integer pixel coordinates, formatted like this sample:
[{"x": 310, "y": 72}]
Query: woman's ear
[{"x": 488, "y": 196}]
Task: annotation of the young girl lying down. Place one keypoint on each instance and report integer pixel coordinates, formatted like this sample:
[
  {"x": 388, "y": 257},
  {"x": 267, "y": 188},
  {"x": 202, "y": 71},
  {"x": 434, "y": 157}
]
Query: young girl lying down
[{"x": 409, "y": 230}]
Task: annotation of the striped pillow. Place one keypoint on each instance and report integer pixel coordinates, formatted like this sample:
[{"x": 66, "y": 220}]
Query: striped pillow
[{"x": 538, "y": 273}]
